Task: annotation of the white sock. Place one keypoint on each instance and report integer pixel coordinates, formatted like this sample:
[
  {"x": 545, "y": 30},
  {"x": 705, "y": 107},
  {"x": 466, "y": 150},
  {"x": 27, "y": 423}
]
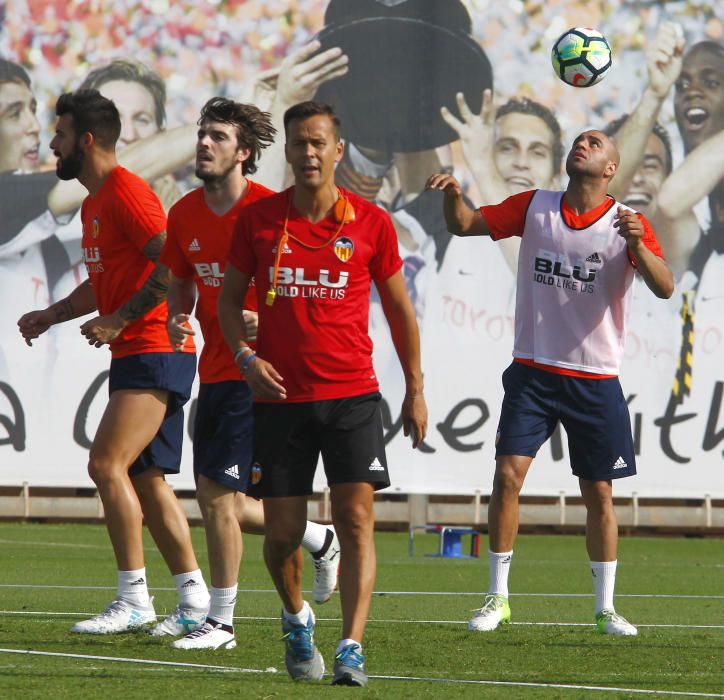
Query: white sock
[
  {"x": 300, "y": 618},
  {"x": 315, "y": 536},
  {"x": 346, "y": 642},
  {"x": 604, "y": 581},
  {"x": 499, "y": 569},
  {"x": 192, "y": 591},
  {"x": 221, "y": 608},
  {"x": 133, "y": 587}
]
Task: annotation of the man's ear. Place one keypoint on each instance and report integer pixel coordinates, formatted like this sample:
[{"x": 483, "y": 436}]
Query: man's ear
[
  {"x": 243, "y": 154},
  {"x": 86, "y": 141}
]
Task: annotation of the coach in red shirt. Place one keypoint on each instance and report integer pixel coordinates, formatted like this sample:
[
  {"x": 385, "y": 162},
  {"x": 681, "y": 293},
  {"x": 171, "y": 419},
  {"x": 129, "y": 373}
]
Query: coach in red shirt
[{"x": 314, "y": 251}]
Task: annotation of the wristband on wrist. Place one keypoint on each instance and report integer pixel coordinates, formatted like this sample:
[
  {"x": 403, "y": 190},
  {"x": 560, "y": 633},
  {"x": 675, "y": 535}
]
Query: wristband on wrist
[
  {"x": 414, "y": 396},
  {"x": 247, "y": 360},
  {"x": 243, "y": 349}
]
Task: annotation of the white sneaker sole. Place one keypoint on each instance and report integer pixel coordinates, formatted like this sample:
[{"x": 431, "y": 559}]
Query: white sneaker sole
[{"x": 231, "y": 644}]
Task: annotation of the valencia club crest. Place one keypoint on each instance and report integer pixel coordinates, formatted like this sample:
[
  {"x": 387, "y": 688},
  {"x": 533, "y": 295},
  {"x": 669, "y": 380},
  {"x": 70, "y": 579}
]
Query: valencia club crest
[{"x": 344, "y": 248}]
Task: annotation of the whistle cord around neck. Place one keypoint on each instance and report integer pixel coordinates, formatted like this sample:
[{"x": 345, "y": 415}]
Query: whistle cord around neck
[{"x": 271, "y": 294}]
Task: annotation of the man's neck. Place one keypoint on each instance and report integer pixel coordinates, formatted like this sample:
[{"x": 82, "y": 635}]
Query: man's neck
[
  {"x": 315, "y": 204},
  {"x": 221, "y": 195},
  {"x": 96, "y": 169},
  {"x": 584, "y": 195}
]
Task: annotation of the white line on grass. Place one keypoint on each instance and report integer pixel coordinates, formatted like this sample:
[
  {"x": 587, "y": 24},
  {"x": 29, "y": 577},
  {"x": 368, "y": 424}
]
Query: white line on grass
[
  {"x": 460, "y": 681},
  {"x": 79, "y": 545},
  {"x": 558, "y": 686},
  {"x": 72, "y": 545},
  {"x": 91, "y": 657},
  {"x": 400, "y": 593},
  {"x": 275, "y": 618},
  {"x": 546, "y": 595}
]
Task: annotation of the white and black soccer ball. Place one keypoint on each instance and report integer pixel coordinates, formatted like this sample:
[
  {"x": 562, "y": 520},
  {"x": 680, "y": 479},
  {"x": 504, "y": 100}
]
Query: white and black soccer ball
[{"x": 581, "y": 56}]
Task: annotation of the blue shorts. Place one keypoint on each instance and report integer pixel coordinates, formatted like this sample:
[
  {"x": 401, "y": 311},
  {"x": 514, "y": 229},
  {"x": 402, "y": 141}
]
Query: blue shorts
[
  {"x": 592, "y": 411},
  {"x": 169, "y": 371},
  {"x": 223, "y": 433},
  {"x": 289, "y": 437}
]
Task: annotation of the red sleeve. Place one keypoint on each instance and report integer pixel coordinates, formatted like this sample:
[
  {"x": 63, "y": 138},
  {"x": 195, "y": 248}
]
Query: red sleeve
[
  {"x": 386, "y": 260},
  {"x": 172, "y": 256},
  {"x": 649, "y": 240},
  {"x": 142, "y": 215},
  {"x": 241, "y": 252},
  {"x": 508, "y": 218}
]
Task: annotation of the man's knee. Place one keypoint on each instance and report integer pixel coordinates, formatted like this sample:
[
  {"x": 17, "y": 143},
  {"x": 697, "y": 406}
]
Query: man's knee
[
  {"x": 283, "y": 533},
  {"x": 353, "y": 516},
  {"x": 597, "y": 496},
  {"x": 151, "y": 487},
  {"x": 217, "y": 502},
  {"x": 282, "y": 542},
  {"x": 508, "y": 477},
  {"x": 102, "y": 469}
]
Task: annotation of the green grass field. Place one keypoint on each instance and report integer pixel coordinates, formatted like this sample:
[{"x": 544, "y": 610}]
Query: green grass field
[{"x": 673, "y": 589}]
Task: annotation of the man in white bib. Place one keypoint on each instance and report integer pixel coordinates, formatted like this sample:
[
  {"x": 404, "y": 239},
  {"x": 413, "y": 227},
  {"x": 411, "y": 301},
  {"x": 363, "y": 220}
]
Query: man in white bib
[{"x": 578, "y": 253}]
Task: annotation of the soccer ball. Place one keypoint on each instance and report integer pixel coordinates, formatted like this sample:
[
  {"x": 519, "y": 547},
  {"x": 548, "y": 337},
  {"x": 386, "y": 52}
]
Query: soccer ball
[{"x": 581, "y": 57}]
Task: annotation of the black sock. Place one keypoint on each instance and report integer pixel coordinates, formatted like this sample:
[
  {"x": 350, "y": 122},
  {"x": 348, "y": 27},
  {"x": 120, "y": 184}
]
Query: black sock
[{"x": 216, "y": 623}]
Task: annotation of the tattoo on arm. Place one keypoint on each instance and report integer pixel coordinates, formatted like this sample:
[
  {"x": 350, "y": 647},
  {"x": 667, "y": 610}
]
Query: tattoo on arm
[
  {"x": 153, "y": 248},
  {"x": 63, "y": 310},
  {"x": 147, "y": 297}
]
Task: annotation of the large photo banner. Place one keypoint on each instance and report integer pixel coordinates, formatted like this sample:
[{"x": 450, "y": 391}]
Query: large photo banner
[{"x": 465, "y": 86}]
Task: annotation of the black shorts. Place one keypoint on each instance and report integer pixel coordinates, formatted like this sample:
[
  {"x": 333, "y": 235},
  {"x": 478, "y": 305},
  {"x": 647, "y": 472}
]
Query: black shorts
[
  {"x": 223, "y": 432},
  {"x": 289, "y": 437},
  {"x": 171, "y": 372},
  {"x": 593, "y": 412}
]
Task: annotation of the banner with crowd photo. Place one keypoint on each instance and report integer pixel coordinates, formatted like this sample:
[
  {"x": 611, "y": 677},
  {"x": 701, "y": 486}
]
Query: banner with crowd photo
[{"x": 412, "y": 102}]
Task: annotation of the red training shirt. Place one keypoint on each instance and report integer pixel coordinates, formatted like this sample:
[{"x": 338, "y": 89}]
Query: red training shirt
[
  {"x": 197, "y": 246},
  {"x": 118, "y": 221},
  {"x": 316, "y": 332}
]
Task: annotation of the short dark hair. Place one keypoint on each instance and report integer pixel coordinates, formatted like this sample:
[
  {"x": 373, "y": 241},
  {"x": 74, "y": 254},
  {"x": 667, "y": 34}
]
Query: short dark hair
[
  {"x": 706, "y": 45},
  {"x": 11, "y": 72},
  {"x": 254, "y": 129},
  {"x": 304, "y": 110},
  {"x": 92, "y": 113},
  {"x": 612, "y": 128},
  {"x": 132, "y": 72},
  {"x": 524, "y": 105}
]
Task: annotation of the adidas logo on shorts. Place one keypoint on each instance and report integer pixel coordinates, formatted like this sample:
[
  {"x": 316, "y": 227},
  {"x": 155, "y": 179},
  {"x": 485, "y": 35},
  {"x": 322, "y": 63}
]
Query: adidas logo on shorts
[
  {"x": 376, "y": 466},
  {"x": 620, "y": 464},
  {"x": 233, "y": 470},
  {"x": 194, "y": 245}
]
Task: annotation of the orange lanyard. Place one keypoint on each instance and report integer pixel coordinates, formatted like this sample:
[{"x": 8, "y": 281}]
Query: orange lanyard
[{"x": 271, "y": 294}]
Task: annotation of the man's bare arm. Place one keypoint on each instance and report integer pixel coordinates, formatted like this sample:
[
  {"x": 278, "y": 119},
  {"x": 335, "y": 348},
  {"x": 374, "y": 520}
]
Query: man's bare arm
[
  {"x": 401, "y": 318},
  {"x": 694, "y": 179},
  {"x": 461, "y": 220},
  {"x": 299, "y": 76},
  {"x": 181, "y": 299},
  {"x": 105, "y": 329},
  {"x": 663, "y": 60},
  {"x": 81, "y": 301},
  {"x": 654, "y": 270}
]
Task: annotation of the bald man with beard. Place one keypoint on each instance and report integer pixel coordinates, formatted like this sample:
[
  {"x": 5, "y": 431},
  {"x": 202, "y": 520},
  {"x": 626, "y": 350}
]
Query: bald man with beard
[{"x": 578, "y": 253}]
